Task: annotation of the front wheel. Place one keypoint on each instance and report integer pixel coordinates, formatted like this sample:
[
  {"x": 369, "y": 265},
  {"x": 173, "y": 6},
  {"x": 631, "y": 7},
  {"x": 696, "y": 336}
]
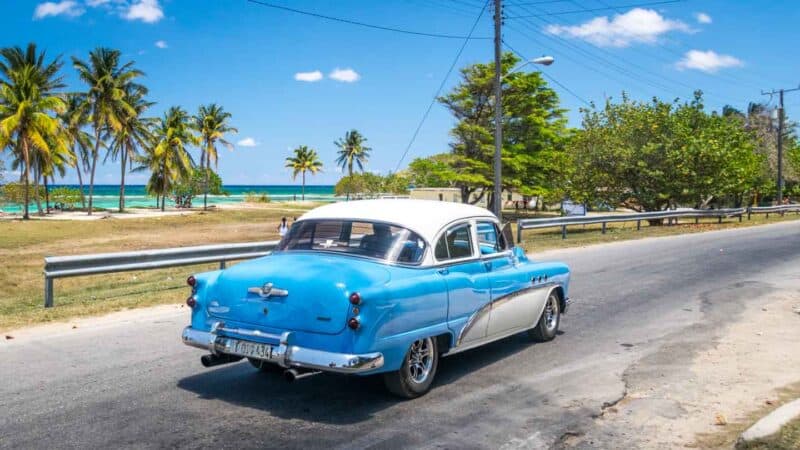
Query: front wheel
[
  {"x": 547, "y": 327},
  {"x": 416, "y": 374}
]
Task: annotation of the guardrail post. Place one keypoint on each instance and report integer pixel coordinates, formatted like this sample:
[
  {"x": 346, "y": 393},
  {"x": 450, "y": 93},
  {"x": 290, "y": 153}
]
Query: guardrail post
[
  {"x": 740, "y": 218},
  {"x": 222, "y": 265},
  {"x": 719, "y": 219},
  {"x": 519, "y": 232},
  {"x": 638, "y": 225},
  {"x": 604, "y": 228},
  {"x": 48, "y": 292},
  {"x": 767, "y": 215},
  {"x": 563, "y": 231},
  {"x": 696, "y": 220},
  {"x": 749, "y": 211}
]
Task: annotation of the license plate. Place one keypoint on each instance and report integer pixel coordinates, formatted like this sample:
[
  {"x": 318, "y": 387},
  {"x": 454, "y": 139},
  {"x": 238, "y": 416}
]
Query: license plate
[{"x": 252, "y": 349}]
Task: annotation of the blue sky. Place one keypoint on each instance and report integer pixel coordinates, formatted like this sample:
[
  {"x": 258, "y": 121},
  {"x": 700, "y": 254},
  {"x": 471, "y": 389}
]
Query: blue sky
[{"x": 290, "y": 79}]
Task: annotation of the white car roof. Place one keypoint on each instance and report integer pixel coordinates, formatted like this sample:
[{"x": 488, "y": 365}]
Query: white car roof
[{"x": 426, "y": 217}]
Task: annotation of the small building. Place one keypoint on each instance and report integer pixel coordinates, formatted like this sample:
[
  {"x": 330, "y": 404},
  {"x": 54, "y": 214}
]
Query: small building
[{"x": 454, "y": 195}]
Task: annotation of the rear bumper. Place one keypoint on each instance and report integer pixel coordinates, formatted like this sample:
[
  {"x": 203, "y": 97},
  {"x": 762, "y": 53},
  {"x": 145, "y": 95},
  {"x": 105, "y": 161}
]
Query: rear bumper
[{"x": 285, "y": 354}]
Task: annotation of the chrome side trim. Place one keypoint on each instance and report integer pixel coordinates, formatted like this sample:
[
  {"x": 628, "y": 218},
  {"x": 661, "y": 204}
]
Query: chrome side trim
[{"x": 285, "y": 354}]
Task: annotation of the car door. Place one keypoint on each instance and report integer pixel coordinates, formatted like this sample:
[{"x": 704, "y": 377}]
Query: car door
[
  {"x": 467, "y": 287},
  {"x": 513, "y": 301}
]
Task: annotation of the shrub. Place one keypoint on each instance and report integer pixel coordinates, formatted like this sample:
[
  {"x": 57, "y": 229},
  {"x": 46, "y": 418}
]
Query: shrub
[
  {"x": 68, "y": 197},
  {"x": 256, "y": 197}
]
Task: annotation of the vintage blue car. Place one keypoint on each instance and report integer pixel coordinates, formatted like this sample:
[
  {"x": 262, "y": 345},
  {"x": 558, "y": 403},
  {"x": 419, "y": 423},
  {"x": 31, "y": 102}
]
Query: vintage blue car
[{"x": 376, "y": 286}]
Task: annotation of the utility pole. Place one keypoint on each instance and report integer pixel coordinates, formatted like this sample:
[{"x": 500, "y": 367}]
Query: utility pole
[
  {"x": 497, "y": 206},
  {"x": 780, "y": 93}
]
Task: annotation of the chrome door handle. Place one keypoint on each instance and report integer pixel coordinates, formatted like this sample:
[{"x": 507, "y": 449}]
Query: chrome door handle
[
  {"x": 443, "y": 271},
  {"x": 488, "y": 265}
]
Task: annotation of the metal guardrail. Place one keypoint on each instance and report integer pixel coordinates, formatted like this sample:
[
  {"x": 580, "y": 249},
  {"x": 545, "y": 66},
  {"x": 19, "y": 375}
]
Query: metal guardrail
[
  {"x": 671, "y": 215},
  {"x": 102, "y": 263}
]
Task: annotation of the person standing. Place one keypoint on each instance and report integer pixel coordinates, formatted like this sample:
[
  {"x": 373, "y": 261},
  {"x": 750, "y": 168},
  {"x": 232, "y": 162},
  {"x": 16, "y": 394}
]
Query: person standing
[{"x": 283, "y": 228}]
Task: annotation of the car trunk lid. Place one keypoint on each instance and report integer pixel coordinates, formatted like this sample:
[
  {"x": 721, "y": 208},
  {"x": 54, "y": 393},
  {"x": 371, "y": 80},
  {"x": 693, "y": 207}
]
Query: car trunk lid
[{"x": 296, "y": 291}]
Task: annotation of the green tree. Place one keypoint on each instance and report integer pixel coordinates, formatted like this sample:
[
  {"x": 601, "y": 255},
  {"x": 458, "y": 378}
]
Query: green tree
[
  {"x": 534, "y": 132},
  {"x": 649, "y": 156},
  {"x": 73, "y": 121},
  {"x": 211, "y": 122},
  {"x": 168, "y": 160},
  {"x": 108, "y": 82},
  {"x": 369, "y": 184},
  {"x": 352, "y": 151},
  {"x": 201, "y": 181},
  {"x": 432, "y": 171},
  {"x": 133, "y": 133},
  {"x": 304, "y": 160},
  {"x": 28, "y": 103}
]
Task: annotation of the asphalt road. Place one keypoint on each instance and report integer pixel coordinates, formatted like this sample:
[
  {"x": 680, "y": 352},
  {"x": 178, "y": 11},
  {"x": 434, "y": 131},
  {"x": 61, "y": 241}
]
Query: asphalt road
[{"x": 133, "y": 384}]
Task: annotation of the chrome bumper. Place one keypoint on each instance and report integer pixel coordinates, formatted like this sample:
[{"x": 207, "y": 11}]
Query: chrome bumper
[{"x": 285, "y": 354}]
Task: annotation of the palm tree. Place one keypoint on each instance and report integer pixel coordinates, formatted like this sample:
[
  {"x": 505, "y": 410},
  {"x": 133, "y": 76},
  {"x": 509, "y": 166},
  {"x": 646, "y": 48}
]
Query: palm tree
[
  {"x": 73, "y": 120},
  {"x": 352, "y": 151},
  {"x": 27, "y": 104},
  {"x": 134, "y": 133},
  {"x": 211, "y": 122},
  {"x": 304, "y": 160},
  {"x": 168, "y": 159},
  {"x": 108, "y": 82}
]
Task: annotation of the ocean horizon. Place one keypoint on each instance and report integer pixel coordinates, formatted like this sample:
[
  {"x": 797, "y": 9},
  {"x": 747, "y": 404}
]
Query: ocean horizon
[{"x": 106, "y": 196}]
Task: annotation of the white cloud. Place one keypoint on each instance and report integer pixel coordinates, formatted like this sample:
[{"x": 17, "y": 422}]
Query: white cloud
[
  {"x": 96, "y": 3},
  {"x": 635, "y": 26},
  {"x": 65, "y": 8},
  {"x": 344, "y": 75},
  {"x": 702, "y": 17},
  {"x": 708, "y": 61},
  {"x": 161, "y": 44},
  {"x": 247, "y": 142},
  {"x": 309, "y": 77},
  {"x": 148, "y": 11}
]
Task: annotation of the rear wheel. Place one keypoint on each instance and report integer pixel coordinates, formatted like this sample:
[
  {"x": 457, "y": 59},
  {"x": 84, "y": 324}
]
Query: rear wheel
[
  {"x": 264, "y": 366},
  {"x": 416, "y": 374},
  {"x": 547, "y": 327}
]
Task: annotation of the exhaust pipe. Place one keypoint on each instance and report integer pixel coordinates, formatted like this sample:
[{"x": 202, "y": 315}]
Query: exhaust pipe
[
  {"x": 294, "y": 374},
  {"x": 216, "y": 360}
]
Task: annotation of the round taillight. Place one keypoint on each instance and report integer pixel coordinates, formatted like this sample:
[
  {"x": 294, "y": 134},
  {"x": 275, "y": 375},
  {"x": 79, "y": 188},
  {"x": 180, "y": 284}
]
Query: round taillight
[
  {"x": 190, "y": 302},
  {"x": 355, "y": 298},
  {"x": 353, "y": 323},
  {"x": 191, "y": 281}
]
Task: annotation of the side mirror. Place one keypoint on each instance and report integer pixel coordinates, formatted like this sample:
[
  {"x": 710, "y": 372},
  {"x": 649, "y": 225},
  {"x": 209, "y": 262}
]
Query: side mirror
[{"x": 508, "y": 235}]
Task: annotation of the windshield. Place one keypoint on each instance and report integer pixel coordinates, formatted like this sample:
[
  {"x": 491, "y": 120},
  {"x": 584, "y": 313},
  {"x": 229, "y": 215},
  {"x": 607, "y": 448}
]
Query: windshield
[{"x": 375, "y": 240}]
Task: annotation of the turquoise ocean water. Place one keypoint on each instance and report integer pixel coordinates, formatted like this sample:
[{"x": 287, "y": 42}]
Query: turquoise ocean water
[{"x": 107, "y": 196}]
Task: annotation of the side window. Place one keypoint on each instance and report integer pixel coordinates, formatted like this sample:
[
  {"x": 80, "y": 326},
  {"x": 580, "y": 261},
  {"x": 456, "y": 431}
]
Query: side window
[
  {"x": 455, "y": 243},
  {"x": 490, "y": 240}
]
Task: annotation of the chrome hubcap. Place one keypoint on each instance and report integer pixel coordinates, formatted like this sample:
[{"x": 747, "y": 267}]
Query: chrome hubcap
[
  {"x": 420, "y": 360},
  {"x": 551, "y": 313}
]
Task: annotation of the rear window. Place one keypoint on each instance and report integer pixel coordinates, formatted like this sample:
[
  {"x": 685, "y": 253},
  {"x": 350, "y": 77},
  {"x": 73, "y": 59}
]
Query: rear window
[{"x": 374, "y": 240}]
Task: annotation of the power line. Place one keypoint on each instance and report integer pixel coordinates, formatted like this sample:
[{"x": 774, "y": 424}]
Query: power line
[
  {"x": 362, "y": 24},
  {"x": 585, "y": 10},
  {"x": 546, "y": 75},
  {"x": 441, "y": 86},
  {"x": 611, "y": 62}
]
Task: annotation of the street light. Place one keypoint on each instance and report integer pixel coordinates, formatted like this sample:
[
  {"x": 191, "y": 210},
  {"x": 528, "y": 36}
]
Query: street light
[{"x": 498, "y": 128}]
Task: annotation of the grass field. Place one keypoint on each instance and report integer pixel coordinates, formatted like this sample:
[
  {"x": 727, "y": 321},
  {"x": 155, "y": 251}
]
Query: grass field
[{"x": 23, "y": 246}]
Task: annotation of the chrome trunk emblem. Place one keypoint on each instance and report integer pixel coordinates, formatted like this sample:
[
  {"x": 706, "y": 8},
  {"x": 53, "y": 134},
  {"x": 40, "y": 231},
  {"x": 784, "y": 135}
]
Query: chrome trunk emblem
[{"x": 268, "y": 290}]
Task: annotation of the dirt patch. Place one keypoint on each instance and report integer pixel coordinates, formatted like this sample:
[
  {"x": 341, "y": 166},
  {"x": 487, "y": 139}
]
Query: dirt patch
[{"x": 705, "y": 389}]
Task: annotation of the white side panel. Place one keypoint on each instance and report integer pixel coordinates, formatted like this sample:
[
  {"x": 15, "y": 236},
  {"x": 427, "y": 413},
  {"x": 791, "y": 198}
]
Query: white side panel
[{"x": 520, "y": 309}]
